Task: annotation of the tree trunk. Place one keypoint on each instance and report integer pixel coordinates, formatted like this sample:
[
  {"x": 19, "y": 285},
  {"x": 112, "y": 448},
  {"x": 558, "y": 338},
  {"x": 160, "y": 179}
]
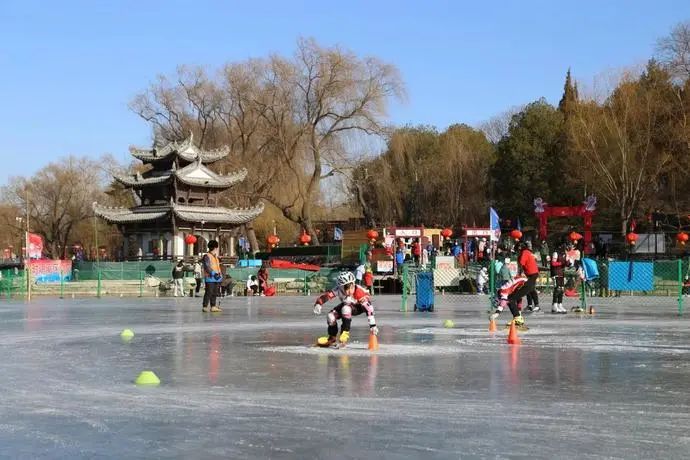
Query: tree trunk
[
  {"x": 368, "y": 217},
  {"x": 624, "y": 224},
  {"x": 251, "y": 235}
]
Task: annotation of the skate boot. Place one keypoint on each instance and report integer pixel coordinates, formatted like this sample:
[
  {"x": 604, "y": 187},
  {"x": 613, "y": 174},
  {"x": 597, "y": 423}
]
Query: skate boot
[
  {"x": 344, "y": 338},
  {"x": 555, "y": 309},
  {"x": 216, "y": 309},
  {"x": 493, "y": 316},
  {"x": 519, "y": 322},
  {"x": 533, "y": 309},
  {"x": 562, "y": 310},
  {"x": 326, "y": 341},
  {"x": 205, "y": 309}
]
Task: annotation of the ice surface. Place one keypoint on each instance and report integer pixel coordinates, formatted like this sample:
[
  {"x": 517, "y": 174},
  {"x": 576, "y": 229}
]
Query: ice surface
[{"x": 248, "y": 384}]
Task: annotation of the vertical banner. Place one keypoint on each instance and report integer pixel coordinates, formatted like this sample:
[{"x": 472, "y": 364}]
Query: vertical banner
[
  {"x": 35, "y": 246},
  {"x": 494, "y": 225}
]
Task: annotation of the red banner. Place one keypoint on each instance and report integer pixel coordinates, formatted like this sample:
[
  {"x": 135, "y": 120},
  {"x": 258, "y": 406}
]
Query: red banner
[{"x": 35, "y": 246}]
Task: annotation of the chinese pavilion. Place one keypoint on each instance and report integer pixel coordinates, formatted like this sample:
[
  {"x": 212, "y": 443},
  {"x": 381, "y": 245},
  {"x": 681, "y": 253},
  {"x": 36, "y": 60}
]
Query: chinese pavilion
[{"x": 177, "y": 197}]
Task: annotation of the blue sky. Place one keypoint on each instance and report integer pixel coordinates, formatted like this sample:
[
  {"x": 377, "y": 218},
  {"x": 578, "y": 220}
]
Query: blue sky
[{"x": 70, "y": 68}]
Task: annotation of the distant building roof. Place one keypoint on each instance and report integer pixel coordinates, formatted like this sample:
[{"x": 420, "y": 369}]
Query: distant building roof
[
  {"x": 185, "y": 150},
  {"x": 211, "y": 215}
]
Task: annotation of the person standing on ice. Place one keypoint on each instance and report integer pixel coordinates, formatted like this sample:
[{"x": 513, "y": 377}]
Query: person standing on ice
[
  {"x": 532, "y": 296},
  {"x": 359, "y": 274},
  {"x": 177, "y": 276},
  {"x": 558, "y": 263},
  {"x": 212, "y": 277},
  {"x": 482, "y": 279},
  {"x": 354, "y": 300}
]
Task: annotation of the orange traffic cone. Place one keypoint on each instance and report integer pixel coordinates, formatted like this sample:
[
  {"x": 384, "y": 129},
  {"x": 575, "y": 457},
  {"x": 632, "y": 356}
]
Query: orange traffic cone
[
  {"x": 373, "y": 342},
  {"x": 492, "y": 325},
  {"x": 591, "y": 310},
  {"x": 513, "y": 338}
]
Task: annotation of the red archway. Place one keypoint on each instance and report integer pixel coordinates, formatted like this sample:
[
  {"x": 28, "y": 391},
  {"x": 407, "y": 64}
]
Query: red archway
[{"x": 543, "y": 211}]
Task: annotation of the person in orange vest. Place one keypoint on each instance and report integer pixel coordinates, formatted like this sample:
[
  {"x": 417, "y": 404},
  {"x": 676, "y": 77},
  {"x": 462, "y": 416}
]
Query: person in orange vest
[
  {"x": 213, "y": 275},
  {"x": 369, "y": 281}
]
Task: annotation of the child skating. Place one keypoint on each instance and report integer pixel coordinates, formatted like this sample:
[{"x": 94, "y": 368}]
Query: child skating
[
  {"x": 503, "y": 298},
  {"x": 528, "y": 267},
  {"x": 354, "y": 300}
]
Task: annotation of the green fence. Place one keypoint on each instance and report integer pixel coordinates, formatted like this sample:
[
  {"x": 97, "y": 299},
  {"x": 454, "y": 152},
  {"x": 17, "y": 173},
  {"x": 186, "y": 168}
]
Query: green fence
[
  {"x": 85, "y": 271},
  {"x": 13, "y": 283},
  {"x": 660, "y": 283}
]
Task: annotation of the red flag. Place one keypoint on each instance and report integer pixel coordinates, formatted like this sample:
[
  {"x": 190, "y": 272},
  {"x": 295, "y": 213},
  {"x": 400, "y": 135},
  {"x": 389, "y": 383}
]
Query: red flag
[
  {"x": 35, "y": 246},
  {"x": 633, "y": 225}
]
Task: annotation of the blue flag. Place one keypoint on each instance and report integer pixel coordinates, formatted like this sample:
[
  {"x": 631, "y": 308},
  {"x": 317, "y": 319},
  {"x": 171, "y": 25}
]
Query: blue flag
[{"x": 494, "y": 224}]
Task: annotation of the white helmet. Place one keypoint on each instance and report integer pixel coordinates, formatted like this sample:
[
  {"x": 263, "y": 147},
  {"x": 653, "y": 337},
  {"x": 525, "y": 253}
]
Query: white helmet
[{"x": 345, "y": 278}]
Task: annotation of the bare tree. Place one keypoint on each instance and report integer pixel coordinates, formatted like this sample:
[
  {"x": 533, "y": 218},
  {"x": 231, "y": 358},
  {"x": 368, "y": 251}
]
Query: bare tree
[
  {"x": 617, "y": 140},
  {"x": 497, "y": 126},
  {"x": 674, "y": 51},
  {"x": 59, "y": 199}
]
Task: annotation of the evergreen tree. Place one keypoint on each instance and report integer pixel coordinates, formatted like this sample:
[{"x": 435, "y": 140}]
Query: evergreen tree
[{"x": 570, "y": 95}]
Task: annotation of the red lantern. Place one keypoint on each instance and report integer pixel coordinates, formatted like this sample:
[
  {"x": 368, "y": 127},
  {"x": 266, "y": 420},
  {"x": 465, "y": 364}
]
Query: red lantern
[
  {"x": 574, "y": 236},
  {"x": 631, "y": 238},
  {"x": 190, "y": 239},
  {"x": 516, "y": 234},
  {"x": 305, "y": 239},
  {"x": 372, "y": 235},
  {"x": 446, "y": 232},
  {"x": 682, "y": 238},
  {"x": 272, "y": 240}
]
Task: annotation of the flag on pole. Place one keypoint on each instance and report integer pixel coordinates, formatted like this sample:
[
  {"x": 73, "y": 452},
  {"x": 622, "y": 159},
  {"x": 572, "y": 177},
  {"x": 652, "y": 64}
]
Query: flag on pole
[{"x": 494, "y": 224}]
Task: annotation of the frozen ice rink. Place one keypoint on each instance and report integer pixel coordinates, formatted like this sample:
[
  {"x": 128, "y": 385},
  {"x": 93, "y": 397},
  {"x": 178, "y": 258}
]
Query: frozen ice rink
[{"x": 247, "y": 384}]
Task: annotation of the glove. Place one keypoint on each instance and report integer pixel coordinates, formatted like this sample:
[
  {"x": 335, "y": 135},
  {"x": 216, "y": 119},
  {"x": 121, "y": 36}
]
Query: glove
[
  {"x": 374, "y": 330},
  {"x": 317, "y": 309}
]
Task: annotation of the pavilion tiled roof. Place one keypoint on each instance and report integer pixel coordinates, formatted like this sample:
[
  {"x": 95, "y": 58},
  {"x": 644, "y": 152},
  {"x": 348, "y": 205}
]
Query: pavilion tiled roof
[
  {"x": 198, "y": 174},
  {"x": 137, "y": 180},
  {"x": 193, "y": 174},
  {"x": 127, "y": 215},
  {"x": 185, "y": 150},
  {"x": 208, "y": 214}
]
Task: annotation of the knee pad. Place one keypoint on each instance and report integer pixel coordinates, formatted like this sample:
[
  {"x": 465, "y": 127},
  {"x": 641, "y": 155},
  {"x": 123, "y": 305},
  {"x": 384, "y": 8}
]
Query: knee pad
[
  {"x": 330, "y": 318},
  {"x": 346, "y": 311}
]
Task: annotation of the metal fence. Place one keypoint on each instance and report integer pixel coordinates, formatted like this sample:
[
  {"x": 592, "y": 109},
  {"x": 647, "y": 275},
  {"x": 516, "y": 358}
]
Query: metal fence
[
  {"x": 152, "y": 279},
  {"x": 663, "y": 284},
  {"x": 12, "y": 283}
]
